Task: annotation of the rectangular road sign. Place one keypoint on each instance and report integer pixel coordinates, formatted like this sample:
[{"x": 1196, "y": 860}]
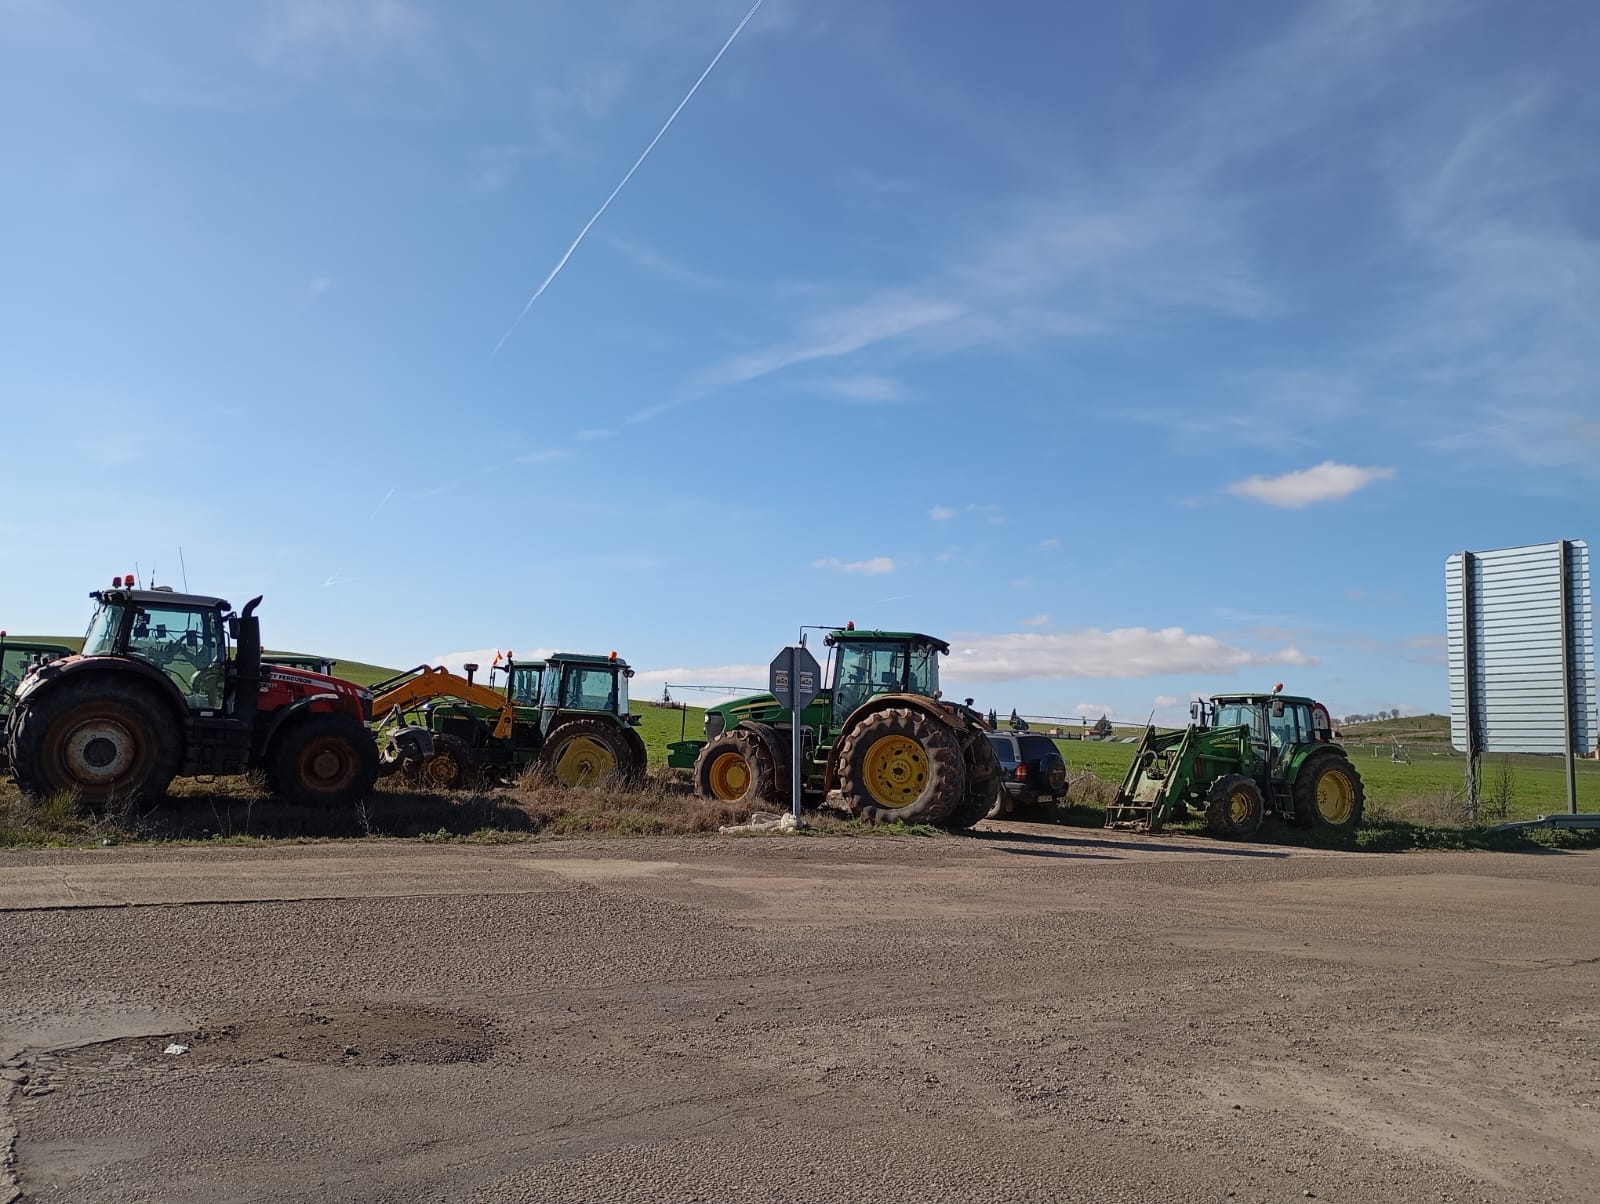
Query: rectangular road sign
[{"x": 1521, "y": 649}]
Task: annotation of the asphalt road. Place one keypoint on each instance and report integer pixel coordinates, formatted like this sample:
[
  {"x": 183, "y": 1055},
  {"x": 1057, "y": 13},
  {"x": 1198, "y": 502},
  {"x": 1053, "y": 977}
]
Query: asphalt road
[{"x": 1025, "y": 1015}]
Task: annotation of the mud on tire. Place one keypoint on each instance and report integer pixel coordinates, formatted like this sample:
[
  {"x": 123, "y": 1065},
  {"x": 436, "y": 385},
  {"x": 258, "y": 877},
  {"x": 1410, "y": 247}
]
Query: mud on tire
[
  {"x": 1328, "y": 793},
  {"x": 901, "y": 764},
  {"x": 1234, "y": 807},
  {"x": 736, "y": 767},
  {"x": 101, "y": 739},
  {"x": 588, "y": 752},
  {"x": 323, "y": 761}
]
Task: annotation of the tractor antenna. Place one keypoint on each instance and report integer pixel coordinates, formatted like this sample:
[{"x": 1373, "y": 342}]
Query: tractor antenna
[
  {"x": 183, "y": 568},
  {"x": 137, "y": 574}
]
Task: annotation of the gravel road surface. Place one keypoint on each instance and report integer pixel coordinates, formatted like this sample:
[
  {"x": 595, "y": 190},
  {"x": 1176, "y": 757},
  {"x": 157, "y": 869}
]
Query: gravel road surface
[{"x": 1028, "y": 1014}]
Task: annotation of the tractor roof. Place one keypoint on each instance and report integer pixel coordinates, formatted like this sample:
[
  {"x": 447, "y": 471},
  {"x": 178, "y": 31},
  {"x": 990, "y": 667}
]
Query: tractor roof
[
  {"x": 585, "y": 658},
  {"x": 160, "y": 597},
  {"x": 847, "y": 635},
  {"x": 1263, "y": 696}
]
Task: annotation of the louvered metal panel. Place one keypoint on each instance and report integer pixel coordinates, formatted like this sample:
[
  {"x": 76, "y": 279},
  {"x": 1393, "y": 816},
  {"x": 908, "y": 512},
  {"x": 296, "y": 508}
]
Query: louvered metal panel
[{"x": 1519, "y": 633}]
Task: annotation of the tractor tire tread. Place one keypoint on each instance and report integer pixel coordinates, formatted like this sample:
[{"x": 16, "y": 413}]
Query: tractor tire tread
[
  {"x": 30, "y": 730},
  {"x": 943, "y": 793}
]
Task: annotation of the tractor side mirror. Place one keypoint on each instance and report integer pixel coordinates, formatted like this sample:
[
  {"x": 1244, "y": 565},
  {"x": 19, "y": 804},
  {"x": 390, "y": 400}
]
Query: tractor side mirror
[
  {"x": 1277, "y": 709},
  {"x": 233, "y": 627}
]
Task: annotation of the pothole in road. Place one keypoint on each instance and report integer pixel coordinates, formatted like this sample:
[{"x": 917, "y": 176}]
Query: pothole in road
[{"x": 379, "y": 1035}]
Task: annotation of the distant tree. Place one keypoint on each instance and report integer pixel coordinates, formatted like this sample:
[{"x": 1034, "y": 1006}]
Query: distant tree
[{"x": 1102, "y": 727}]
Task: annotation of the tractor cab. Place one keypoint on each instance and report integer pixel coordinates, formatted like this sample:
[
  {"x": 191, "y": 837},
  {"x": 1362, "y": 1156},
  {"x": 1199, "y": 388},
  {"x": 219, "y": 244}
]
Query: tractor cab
[
  {"x": 182, "y": 635},
  {"x": 868, "y": 663},
  {"x": 1278, "y": 725},
  {"x": 524, "y": 682},
  {"x": 579, "y": 682},
  {"x": 18, "y": 658}
]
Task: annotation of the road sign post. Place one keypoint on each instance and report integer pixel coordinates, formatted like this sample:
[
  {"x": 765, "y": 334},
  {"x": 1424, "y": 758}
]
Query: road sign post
[{"x": 795, "y": 680}]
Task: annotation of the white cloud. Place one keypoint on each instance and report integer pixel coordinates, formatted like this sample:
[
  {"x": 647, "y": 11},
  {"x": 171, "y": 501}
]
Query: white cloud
[
  {"x": 1022, "y": 583},
  {"x": 1327, "y": 482},
  {"x": 1037, "y": 621},
  {"x": 1125, "y": 652},
  {"x": 457, "y": 662},
  {"x": 941, "y": 514},
  {"x": 871, "y": 568},
  {"x": 1093, "y": 710},
  {"x": 318, "y": 285},
  {"x": 1165, "y": 700},
  {"x": 1052, "y": 542},
  {"x": 866, "y": 388}
]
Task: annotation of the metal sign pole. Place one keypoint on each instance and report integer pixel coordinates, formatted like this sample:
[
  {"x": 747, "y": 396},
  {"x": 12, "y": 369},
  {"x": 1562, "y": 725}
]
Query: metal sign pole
[
  {"x": 1468, "y": 682},
  {"x": 1567, "y": 657},
  {"x": 794, "y": 674},
  {"x": 794, "y": 766}
]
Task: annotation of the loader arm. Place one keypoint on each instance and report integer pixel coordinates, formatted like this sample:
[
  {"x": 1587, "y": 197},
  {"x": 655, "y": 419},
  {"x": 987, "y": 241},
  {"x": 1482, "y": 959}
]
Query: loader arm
[
  {"x": 1171, "y": 771},
  {"x": 425, "y": 683}
]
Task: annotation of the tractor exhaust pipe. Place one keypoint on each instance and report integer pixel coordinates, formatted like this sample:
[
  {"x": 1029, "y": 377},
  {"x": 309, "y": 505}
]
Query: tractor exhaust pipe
[{"x": 247, "y": 660}]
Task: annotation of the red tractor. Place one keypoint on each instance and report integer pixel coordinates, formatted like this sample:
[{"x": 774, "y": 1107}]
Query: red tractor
[{"x": 156, "y": 695}]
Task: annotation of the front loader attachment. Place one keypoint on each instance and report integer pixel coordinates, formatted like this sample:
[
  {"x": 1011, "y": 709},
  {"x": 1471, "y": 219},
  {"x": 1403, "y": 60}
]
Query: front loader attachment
[{"x": 1173, "y": 770}]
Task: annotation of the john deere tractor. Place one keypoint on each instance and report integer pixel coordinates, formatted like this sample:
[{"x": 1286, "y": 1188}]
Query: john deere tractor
[
  {"x": 17, "y": 659},
  {"x": 566, "y": 715},
  {"x": 880, "y": 733},
  {"x": 1243, "y": 757}
]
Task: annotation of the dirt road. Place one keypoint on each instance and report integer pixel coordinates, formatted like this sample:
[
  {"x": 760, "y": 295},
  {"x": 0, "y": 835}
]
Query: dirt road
[{"x": 1027, "y": 1015}]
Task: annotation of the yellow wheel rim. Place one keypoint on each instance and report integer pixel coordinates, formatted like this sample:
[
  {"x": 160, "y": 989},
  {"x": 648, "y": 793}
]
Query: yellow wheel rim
[
  {"x": 585, "y": 760},
  {"x": 895, "y": 770},
  {"x": 1336, "y": 797},
  {"x": 730, "y": 776},
  {"x": 441, "y": 772},
  {"x": 1239, "y": 807}
]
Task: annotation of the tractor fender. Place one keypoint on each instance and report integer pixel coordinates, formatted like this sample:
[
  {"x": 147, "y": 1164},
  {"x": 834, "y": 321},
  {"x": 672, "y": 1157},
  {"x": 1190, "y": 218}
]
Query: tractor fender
[
  {"x": 44, "y": 679},
  {"x": 275, "y": 722},
  {"x": 883, "y": 702},
  {"x": 1301, "y": 759}
]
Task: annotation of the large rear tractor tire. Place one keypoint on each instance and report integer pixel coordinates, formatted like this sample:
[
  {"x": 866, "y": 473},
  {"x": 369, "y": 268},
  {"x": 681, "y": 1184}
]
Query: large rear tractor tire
[
  {"x": 1329, "y": 793},
  {"x": 736, "y": 767},
  {"x": 588, "y": 752},
  {"x": 323, "y": 761},
  {"x": 451, "y": 767},
  {"x": 901, "y": 764},
  {"x": 984, "y": 794},
  {"x": 1234, "y": 807},
  {"x": 100, "y": 739}
]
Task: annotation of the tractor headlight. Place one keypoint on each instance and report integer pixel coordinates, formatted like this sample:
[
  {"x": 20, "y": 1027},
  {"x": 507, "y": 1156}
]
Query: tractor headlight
[{"x": 715, "y": 722}]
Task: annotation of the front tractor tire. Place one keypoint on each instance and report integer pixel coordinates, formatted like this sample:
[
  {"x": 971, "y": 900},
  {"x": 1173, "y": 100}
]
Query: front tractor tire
[
  {"x": 1234, "y": 807},
  {"x": 323, "y": 761},
  {"x": 736, "y": 767},
  {"x": 1329, "y": 793},
  {"x": 590, "y": 752},
  {"x": 99, "y": 739},
  {"x": 902, "y": 764},
  {"x": 451, "y": 767}
]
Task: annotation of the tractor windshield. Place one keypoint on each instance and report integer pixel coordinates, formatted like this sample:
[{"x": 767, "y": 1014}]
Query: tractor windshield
[
  {"x": 525, "y": 685},
  {"x": 1242, "y": 714},
  {"x": 586, "y": 688},
  {"x": 865, "y": 668},
  {"x": 101, "y": 638}
]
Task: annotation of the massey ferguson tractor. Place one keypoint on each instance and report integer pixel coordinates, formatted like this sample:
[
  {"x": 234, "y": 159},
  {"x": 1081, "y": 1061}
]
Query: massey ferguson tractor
[
  {"x": 881, "y": 734},
  {"x": 155, "y": 694},
  {"x": 1245, "y": 756}
]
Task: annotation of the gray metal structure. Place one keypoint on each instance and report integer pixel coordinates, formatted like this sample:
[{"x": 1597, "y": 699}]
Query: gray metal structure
[
  {"x": 1521, "y": 654},
  {"x": 795, "y": 679}
]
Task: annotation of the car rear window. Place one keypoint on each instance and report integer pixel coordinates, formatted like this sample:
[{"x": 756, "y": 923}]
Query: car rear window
[
  {"x": 1003, "y": 748},
  {"x": 1037, "y": 746}
]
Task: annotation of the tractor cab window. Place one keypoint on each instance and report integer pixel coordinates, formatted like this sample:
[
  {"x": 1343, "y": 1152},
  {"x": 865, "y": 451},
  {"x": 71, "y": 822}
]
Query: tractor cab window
[
  {"x": 864, "y": 669},
  {"x": 187, "y": 646},
  {"x": 585, "y": 688},
  {"x": 1290, "y": 728},
  {"x": 525, "y": 685},
  {"x": 1242, "y": 714},
  {"x": 101, "y": 638}
]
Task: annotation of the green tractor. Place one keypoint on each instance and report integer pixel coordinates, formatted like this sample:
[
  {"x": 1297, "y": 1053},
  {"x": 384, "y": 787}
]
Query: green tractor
[
  {"x": 17, "y": 658},
  {"x": 567, "y": 714},
  {"x": 879, "y": 733},
  {"x": 1244, "y": 756}
]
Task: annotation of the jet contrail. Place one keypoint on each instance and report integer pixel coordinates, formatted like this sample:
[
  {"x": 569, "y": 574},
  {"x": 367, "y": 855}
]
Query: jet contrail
[{"x": 562, "y": 262}]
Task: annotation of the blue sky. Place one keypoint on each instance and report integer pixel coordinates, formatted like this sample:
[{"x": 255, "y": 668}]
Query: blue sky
[{"x": 1139, "y": 349}]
